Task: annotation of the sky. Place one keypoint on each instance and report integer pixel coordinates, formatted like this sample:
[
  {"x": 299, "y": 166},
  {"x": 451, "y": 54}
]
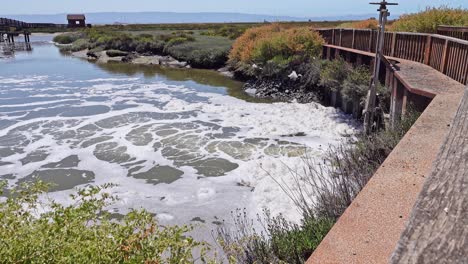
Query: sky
[{"x": 300, "y": 8}]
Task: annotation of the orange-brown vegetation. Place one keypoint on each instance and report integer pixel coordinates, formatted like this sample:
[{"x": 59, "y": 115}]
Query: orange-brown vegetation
[{"x": 275, "y": 42}]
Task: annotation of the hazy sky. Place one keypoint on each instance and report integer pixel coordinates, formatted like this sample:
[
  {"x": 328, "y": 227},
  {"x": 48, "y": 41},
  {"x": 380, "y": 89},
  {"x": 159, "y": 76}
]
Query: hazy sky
[{"x": 305, "y": 8}]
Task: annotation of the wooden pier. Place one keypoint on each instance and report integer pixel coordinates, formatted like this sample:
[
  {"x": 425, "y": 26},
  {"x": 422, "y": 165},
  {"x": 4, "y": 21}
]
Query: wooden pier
[{"x": 11, "y": 29}]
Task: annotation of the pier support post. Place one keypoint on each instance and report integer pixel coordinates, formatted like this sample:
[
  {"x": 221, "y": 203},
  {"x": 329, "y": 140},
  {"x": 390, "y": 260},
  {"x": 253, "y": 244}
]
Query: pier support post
[{"x": 398, "y": 103}]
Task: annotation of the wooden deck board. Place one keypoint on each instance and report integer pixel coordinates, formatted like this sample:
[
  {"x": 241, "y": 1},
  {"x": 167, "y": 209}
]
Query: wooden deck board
[{"x": 437, "y": 231}]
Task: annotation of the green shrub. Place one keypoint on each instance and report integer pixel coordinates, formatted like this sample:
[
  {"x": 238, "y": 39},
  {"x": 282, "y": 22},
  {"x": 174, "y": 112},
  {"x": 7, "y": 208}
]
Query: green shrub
[
  {"x": 428, "y": 20},
  {"x": 370, "y": 23},
  {"x": 228, "y": 31},
  {"x": 275, "y": 241},
  {"x": 176, "y": 41},
  {"x": 310, "y": 74},
  {"x": 205, "y": 52},
  {"x": 84, "y": 233},
  {"x": 78, "y": 45},
  {"x": 176, "y": 37},
  {"x": 67, "y": 38},
  {"x": 199, "y": 51},
  {"x": 208, "y": 58},
  {"x": 356, "y": 84},
  {"x": 274, "y": 42},
  {"x": 333, "y": 74}
]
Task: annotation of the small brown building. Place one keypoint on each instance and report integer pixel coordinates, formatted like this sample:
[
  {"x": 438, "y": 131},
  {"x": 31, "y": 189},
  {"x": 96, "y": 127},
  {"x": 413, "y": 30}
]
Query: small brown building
[{"x": 76, "y": 20}]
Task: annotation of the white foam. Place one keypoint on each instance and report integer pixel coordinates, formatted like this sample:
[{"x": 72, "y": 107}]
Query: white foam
[{"x": 190, "y": 196}]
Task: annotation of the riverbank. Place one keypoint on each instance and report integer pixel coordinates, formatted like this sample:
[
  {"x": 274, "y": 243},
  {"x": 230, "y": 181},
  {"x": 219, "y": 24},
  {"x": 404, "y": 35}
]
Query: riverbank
[
  {"x": 270, "y": 89},
  {"x": 131, "y": 58}
]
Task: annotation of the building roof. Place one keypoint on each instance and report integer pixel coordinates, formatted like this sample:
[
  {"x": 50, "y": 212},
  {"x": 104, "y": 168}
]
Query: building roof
[{"x": 76, "y": 17}]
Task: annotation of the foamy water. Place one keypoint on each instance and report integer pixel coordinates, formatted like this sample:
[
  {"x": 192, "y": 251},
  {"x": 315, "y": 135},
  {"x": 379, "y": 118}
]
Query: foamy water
[{"x": 186, "y": 152}]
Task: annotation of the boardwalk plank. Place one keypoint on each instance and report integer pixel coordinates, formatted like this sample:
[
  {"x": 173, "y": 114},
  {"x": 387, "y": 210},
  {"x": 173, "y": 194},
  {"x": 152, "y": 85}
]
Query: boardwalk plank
[{"x": 438, "y": 228}]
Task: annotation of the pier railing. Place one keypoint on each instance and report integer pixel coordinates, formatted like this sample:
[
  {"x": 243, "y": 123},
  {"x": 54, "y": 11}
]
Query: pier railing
[
  {"x": 446, "y": 54},
  {"x": 6, "y": 24},
  {"x": 454, "y": 32}
]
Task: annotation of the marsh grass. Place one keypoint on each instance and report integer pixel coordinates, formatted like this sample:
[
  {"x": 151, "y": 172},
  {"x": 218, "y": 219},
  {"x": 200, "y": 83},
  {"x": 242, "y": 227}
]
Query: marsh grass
[
  {"x": 427, "y": 21},
  {"x": 269, "y": 239},
  {"x": 198, "y": 50}
]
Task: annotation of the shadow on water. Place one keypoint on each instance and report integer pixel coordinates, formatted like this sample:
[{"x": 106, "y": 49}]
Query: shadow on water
[{"x": 200, "y": 76}]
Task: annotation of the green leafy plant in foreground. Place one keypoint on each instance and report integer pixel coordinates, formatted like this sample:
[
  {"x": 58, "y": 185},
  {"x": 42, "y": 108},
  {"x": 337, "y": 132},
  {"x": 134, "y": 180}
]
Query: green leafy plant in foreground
[{"x": 84, "y": 233}]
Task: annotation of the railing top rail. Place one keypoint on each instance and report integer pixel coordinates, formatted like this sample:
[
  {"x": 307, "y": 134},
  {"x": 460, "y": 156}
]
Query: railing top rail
[
  {"x": 461, "y": 41},
  {"x": 357, "y": 29},
  {"x": 452, "y": 28}
]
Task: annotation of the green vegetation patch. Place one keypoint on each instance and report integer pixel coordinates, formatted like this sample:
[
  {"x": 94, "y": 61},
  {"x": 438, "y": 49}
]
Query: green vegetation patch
[
  {"x": 205, "y": 52},
  {"x": 84, "y": 233},
  {"x": 428, "y": 20},
  {"x": 275, "y": 240},
  {"x": 198, "y": 50},
  {"x": 68, "y": 38}
]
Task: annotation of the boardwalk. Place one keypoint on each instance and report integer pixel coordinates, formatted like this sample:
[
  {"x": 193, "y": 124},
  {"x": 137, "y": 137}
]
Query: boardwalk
[{"x": 370, "y": 229}]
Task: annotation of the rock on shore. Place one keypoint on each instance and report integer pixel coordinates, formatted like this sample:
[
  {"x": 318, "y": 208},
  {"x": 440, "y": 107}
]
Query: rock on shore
[
  {"x": 133, "y": 58},
  {"x": 280, "y": 90}
]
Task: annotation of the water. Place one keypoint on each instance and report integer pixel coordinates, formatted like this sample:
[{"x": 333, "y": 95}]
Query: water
[{"x": 188, "y": 145}]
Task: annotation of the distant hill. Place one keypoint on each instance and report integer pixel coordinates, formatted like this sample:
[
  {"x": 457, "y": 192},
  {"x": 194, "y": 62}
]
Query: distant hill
[{"x": 170, "y": 17}]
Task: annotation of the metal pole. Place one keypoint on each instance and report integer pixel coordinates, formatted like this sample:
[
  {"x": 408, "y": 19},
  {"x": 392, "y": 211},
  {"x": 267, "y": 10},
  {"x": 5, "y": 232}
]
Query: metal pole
[{"x": 369, "y": 115}]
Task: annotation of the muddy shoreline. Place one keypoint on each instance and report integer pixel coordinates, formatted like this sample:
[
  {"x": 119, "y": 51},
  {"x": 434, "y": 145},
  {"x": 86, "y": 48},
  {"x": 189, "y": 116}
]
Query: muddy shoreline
[{"x": 277, "y": 90}]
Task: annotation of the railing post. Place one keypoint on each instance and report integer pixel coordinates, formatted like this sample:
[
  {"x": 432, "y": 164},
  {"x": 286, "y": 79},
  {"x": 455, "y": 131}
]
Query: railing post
[
  {"x": 333, "y": 37},
  {"x": 443, "y": 64},
  {"x": 341, "y": 37},
  {"x": 428, "y": 50},
  {"x": 353, "y": 41},
  {"x": 394, "y": 36}
]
